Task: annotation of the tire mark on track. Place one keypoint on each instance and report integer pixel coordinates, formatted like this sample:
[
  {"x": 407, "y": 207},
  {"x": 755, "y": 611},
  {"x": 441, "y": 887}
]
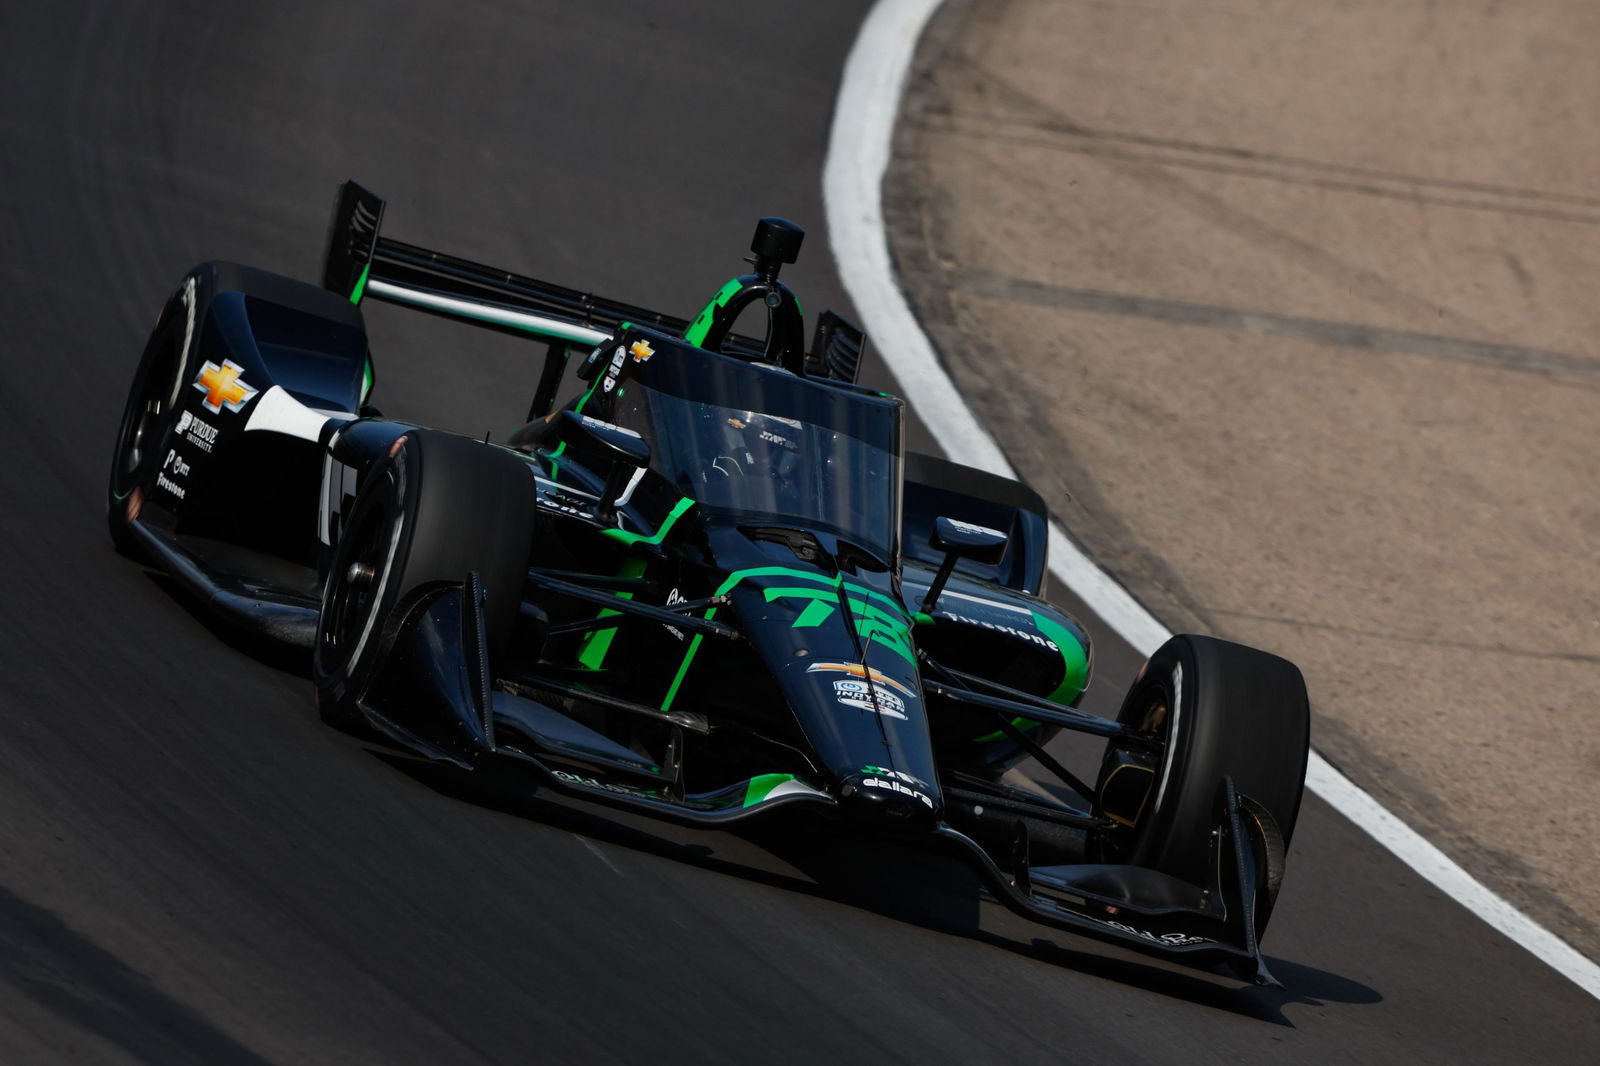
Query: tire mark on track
[
  {"x": 1062, "y": 137},
  {"x": 1314, "y": 330}
]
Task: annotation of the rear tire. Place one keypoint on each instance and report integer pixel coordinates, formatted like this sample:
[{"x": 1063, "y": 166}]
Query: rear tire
[
  {"x": 1224, "y": 710},
  {"x": 436, "y": 508}
]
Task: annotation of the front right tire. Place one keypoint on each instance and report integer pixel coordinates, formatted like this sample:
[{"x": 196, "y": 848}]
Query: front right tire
[{"x": 1221, "y": 709}]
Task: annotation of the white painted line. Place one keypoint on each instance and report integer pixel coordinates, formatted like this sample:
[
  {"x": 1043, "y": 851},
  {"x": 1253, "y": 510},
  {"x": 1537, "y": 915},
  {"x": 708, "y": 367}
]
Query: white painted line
[{"x": 852, "y": 186}]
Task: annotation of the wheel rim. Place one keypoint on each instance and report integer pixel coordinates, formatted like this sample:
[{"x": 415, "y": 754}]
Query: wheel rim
[
  {"x": 149, "y": 409},
  {"x": 361, "y": 572},
  {"x": 1133, "y": 779},
  {"x": 355, "y": 585}
]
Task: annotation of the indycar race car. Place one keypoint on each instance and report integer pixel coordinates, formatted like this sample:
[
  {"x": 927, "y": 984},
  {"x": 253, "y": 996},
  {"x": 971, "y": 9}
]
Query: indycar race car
[{"x": 712, "y": 585}]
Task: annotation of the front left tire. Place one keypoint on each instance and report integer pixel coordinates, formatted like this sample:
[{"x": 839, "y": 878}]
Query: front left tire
[{"x": 437, "y": 507}]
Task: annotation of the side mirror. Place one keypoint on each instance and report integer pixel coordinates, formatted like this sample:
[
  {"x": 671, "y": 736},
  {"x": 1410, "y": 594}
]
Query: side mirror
[
  {"x": 958, "y": 539},
  {"x": 628, "y": 452}
]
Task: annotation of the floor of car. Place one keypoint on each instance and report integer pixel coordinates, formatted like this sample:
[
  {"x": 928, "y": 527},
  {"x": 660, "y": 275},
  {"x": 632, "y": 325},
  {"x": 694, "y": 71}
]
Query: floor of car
[{"x": 252, "y": 568}]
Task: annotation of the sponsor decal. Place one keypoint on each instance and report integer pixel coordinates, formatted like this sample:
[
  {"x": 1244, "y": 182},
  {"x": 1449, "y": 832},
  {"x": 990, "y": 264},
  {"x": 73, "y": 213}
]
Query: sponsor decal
[
  {"x": 603, "y": 786},
  {"x": 893, "y": 781},
  {"x": 884, "y": 771},
  {"x": 224, "y": 387},
  {"x": 618, "y": 357},
  {"x": 556, "y": 500},
  {"x": 1168, "y": 939},
  {"x": 174, "y": 464},
  {"x": 200, "y": 433},
  {"x": 854, "y": 693},
  {"x": 968, "y": 527},
  {"x": 565, "y": 509},
  {"x": 675, "y": 597},
  {"x": 641, "y": 350},
  {"x": 597, "y": 423},
  {"x": 1013, "y": 631},
  {"x": 164, "y": 482},
  {"x": 782, "y": 442},
  {"x": 857, "y": 670}
]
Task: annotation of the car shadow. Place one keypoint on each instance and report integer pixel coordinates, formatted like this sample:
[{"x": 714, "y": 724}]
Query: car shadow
[{"x": 817, "y": 857}]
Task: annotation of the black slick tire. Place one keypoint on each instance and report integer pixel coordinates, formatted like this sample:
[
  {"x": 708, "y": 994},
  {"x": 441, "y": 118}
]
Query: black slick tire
[
  {"x": 147, "y": 419},
  {"x": 1224, "y": 710},
  {"x": 437, "y": 507}
]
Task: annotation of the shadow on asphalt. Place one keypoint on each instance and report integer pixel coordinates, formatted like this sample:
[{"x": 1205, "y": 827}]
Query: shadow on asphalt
[
  {"x": 895, "y": 880},
  {"x": 94, "y": 991}
]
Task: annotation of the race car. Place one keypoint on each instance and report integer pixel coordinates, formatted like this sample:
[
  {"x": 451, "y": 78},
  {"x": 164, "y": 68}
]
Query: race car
[{"x": 712, "y": 585}]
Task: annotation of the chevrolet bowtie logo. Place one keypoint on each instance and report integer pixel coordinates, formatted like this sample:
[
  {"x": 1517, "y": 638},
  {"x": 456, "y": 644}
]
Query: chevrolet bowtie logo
[
  {"x": 641, "y": 351},
  {"x": 223, "y": 387}
]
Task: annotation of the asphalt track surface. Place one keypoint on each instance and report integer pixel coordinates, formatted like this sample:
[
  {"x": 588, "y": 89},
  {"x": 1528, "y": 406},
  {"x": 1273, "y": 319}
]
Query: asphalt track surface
[{"x": 194, "y": 869}]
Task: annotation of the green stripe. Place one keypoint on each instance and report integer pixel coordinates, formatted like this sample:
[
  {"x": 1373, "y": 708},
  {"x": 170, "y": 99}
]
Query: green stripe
[
  {"x": 597, "y": 643},
  {"x": 361, "y": 285},
  {"x": 696, "y": 333},
  {"x": 666, "y": 526},
  {"x": 800, "y": 575},
  {"x": 683, "y": 667},
  {"x": 1074, "y": 672},
  {"x": 1075, "y": 662},
  {"x": 809, "y": 575},
  {"x": 761, "y": 787},
  {"x": 595, "y": 384}
]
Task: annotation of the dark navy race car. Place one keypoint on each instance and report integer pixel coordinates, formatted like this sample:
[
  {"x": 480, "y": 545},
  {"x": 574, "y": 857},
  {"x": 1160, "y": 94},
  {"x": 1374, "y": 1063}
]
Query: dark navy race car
[{"x": 713, "y": 585}]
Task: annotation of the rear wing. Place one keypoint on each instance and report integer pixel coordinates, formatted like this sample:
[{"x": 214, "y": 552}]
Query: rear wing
[{"x": 362, "y": 263}]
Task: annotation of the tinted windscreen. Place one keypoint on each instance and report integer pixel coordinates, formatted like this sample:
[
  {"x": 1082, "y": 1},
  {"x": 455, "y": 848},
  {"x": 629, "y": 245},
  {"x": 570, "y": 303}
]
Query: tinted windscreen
[{"x": 753, "y": 440}]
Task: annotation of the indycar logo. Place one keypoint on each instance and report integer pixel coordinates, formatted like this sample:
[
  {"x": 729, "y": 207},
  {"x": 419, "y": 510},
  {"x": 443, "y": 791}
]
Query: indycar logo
[
  {"x": 857, "y": 670},
  {"x": 223, "y": 386},
  {"x": 201, "y": 434},
  {"x": 854, "y": 693}
]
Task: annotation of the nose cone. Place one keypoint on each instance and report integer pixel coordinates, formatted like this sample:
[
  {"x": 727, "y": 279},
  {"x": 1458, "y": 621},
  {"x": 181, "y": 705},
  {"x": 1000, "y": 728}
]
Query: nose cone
[{"x": 889, "y": 802}]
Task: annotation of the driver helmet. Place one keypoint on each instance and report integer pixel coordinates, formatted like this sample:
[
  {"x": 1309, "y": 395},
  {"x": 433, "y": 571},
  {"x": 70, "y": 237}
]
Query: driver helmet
[{"x": 760, "y": 444}]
